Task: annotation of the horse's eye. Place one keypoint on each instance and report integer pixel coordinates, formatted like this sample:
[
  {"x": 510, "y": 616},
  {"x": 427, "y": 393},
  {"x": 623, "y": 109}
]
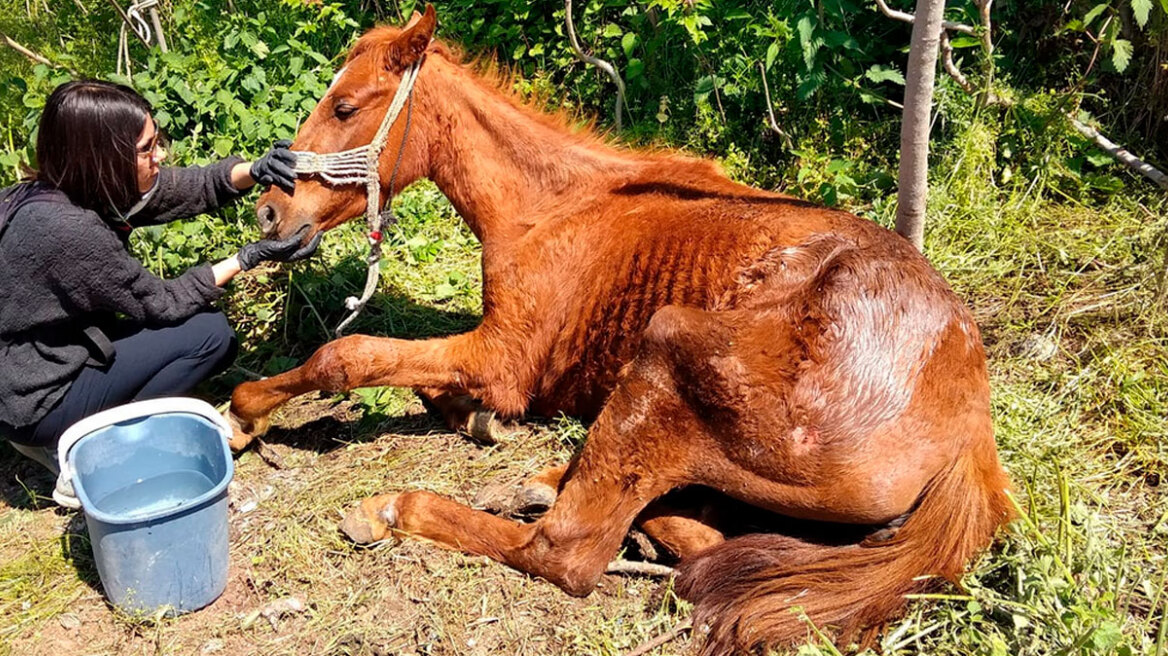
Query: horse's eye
[{"x": 344, "y": 111}]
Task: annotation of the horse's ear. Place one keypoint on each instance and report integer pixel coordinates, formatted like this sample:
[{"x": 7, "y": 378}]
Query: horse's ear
[{"x": 413, "y": 41}]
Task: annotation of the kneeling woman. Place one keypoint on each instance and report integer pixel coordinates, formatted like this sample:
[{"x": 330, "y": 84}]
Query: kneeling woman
[{"x": 83, "y": 325}]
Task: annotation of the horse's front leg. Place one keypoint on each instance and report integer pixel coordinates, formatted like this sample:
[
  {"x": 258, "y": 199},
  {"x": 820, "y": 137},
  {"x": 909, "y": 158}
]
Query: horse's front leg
[{"x": 462, "y": 362}]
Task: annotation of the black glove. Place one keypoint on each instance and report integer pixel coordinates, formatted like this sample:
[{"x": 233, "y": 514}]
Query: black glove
[
  {"x": 277, "y": 167},
  {"x": 276, "y": 250}
]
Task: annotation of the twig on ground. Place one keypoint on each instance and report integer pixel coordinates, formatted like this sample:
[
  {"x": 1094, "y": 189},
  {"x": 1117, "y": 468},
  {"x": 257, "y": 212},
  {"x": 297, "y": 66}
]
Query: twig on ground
[
  {"x": 635, "y": 567},
  {"x": 771, "y": 110},
  {"x": 906, "y": 17},
  {"x": 1121, "y": 154},
  {"x": 595, "y": 61},
  {"x": 673, "y": 634}
]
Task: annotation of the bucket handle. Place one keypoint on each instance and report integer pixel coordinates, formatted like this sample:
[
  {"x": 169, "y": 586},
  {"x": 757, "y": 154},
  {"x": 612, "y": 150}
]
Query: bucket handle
[{"x": 129, "y": 412}]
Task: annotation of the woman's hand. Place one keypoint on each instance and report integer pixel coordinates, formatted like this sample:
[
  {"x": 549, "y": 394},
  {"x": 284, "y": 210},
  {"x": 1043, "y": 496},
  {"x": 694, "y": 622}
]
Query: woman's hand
[
  {"x": 277, "y": 250},
  {"x": 277, "y": 167}
]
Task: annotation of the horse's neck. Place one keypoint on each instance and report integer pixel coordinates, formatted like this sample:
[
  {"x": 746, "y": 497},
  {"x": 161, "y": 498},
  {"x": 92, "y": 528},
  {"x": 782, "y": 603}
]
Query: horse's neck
[{"x": 500, "y": 166}]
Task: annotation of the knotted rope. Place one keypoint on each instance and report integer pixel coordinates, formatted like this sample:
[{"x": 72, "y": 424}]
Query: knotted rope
[
  {"x": 362, "y": 166},
  {"x": 133, "y": 18}
]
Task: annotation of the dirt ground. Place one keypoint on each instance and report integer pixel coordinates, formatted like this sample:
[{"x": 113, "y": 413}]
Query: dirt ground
[{"x": 296, "y": 586}]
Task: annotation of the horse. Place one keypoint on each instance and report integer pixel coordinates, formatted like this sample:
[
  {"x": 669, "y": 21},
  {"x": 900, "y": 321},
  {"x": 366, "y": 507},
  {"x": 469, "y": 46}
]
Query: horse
[{"x": 801, "y": 362}]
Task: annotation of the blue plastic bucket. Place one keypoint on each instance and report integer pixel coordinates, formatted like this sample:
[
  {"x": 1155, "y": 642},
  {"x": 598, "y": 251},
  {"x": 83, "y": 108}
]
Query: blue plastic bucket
[{"x": 152, "y": 480}]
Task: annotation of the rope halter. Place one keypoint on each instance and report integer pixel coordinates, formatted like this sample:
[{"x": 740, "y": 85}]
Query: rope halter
[{"x": 362, "y": 166}]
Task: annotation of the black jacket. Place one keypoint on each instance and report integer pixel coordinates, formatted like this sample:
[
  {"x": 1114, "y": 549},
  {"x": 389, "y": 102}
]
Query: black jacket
[{"x": 65, "y": 269}]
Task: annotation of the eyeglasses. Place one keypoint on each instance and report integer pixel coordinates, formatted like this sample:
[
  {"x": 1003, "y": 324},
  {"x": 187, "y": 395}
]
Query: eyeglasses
[{"x": 156, "y": 147}]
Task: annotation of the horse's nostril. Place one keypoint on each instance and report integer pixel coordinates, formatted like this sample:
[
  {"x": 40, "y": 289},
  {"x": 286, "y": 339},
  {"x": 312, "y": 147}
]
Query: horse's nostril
[{"x": 266, "y": 217}]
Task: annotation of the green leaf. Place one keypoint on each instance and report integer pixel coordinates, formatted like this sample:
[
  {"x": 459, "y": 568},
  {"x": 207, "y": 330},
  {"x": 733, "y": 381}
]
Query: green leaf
[
  {"x": 837, "y": 39},
  {"x": 628, "y": 42},
  {"x": 1098, "y": 158},
  {"x": 223, "y": 146},
  {"x": 838, "y": 165},
  {"x": 881, "y": 73},
  {"x": 1164, "y": 5},
  {"x": 810, "y": 84},
  {"x": 635, "y": 69},
  {"x": 611, "y": 31},
  {"x": 773, "y": 51},
  {"x": 810, "y": 47},
  {"x": 535, "y": 50},
  {"x": 703, "y": 87},
  {"x": 1121, "y": 54},
  {"x": 443, "y": 290},
  {"x": 1141, "y": 9},
  {"x": 519, "y": 51},
  {"x": 1094, "y": 13},
  {"x": 965, "y": 41}
]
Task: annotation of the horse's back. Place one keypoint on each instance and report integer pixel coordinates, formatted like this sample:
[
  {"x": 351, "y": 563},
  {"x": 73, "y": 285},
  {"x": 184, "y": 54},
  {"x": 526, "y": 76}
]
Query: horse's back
[{"x": 700, "y": 243}]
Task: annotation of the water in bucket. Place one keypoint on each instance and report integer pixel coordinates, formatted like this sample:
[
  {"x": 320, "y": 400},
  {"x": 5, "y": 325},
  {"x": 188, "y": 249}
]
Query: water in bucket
[
  {"x": 156, "y": 493},
  {"x": 152, "y": 480}
]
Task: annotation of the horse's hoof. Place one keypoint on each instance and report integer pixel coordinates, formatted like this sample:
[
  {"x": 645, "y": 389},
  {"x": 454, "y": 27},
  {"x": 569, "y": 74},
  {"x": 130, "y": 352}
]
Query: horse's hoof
[
  {"x": 371, "y": 520},
  {"x": 535, "y": 497},
  {"x": 483, "y": 427},
  {"x": 510, "y": 500},
  {"x": 239, "y": 437},
  {"x": 242, "y": 433}
]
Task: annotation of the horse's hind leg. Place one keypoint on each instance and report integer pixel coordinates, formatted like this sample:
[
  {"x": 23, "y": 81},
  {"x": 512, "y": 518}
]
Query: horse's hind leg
[{"x": 681, "y": 527}]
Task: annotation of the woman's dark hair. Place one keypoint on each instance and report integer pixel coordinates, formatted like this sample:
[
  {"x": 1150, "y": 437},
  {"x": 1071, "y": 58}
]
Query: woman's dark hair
[{"x": 87, "y": 144}]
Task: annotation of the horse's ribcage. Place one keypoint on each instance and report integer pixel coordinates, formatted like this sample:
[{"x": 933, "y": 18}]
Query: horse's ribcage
[{"x": 603, "y": 333}]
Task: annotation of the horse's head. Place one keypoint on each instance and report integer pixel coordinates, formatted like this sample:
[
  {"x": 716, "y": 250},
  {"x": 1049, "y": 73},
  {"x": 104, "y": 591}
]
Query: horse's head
[{"x": 348, "y": 116}]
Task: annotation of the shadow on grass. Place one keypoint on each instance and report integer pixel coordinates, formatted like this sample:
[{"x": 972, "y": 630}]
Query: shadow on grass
[
  {"x": 330, "y": 433},
  {"x": 28, "y": 486},
  {"x": 76, "y": 549},
  {"x": 316, "y": 305}
]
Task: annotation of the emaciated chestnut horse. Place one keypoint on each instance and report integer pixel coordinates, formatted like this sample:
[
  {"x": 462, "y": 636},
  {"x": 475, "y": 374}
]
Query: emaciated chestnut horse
[{"x": 777, "y": 355}]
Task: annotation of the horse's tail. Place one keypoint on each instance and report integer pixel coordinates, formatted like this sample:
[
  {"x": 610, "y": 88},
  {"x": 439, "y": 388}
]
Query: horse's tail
[{"x": 745, "y": 589}]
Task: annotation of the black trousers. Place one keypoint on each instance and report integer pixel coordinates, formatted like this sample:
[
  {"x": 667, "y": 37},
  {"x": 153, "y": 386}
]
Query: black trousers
[{"x": 149, "y": 363}]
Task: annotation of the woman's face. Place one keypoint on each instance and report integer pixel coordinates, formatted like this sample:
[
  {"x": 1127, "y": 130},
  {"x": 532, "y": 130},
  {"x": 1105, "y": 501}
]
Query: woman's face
[{"x": 150, "y": 155}]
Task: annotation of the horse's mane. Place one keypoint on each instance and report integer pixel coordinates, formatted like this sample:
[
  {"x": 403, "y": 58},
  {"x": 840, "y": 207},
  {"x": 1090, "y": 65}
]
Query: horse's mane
[{"x": 542, "y": 108}]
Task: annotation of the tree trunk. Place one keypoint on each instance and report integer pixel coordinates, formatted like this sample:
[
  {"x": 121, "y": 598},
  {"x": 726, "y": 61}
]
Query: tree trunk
[{"x": 914, "y": 131}]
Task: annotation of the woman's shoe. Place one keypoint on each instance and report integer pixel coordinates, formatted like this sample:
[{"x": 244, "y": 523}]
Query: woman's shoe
[{"x": 63, "y": 494}]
